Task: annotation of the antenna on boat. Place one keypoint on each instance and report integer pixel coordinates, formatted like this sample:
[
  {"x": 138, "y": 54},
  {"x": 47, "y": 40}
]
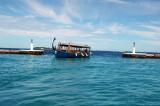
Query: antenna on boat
[
  {"x": 53, "y": 43},
  {"x": 134, "y": 48}
]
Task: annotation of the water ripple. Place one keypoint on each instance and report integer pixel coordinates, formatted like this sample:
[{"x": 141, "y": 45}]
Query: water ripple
[{"x": 103, "y": 79}]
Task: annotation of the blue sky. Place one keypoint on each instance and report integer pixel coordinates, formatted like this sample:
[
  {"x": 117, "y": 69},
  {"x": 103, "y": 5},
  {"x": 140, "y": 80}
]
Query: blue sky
[{"x": 102, "y": 24}]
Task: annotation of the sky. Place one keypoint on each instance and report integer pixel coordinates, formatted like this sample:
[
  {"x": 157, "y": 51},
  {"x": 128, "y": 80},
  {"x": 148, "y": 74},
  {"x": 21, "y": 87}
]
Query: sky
[{"x": 111, "y": 25}]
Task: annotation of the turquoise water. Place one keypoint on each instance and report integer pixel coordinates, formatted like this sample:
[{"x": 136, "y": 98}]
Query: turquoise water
[{"x": 103, "y": 79}]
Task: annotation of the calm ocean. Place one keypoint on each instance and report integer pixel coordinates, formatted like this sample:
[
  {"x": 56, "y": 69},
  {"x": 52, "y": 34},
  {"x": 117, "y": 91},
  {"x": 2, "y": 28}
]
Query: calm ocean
[{"x": 103, "y": 79}]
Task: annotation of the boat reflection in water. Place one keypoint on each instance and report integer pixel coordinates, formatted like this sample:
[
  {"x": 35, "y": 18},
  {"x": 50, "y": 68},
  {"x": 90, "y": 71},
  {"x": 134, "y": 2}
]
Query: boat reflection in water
[{"x": 71, "y": 50}]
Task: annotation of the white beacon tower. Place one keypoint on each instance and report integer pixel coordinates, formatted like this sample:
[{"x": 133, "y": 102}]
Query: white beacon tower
[
  {"x": 31, "y": 45},
  {"x": 134, "y": 48}
]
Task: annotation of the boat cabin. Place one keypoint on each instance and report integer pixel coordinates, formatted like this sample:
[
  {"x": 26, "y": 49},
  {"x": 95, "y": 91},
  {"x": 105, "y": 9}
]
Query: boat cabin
[{"x": 73, "y": 48}]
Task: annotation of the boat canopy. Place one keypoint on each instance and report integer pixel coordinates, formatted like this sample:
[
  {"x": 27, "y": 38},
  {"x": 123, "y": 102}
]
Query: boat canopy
[{"x": 73, "y": 45}]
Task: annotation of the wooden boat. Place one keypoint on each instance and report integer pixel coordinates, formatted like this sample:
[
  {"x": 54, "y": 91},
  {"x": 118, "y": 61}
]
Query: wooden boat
[{"x": 70, "y": 50}]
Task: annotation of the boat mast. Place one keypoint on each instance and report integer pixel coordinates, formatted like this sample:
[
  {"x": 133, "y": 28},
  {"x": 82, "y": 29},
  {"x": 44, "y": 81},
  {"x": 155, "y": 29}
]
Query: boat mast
[{"x": 53, "y": 47}]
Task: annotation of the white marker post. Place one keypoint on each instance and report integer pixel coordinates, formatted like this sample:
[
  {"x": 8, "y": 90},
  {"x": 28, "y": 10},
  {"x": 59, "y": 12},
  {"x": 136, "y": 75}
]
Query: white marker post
[
  {"x": 134, "y": 48},
  {"x": 31, "y": 45}
]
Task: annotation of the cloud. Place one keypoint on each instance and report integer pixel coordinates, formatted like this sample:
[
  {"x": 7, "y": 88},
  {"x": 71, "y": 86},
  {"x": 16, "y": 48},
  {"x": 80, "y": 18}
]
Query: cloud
[
  {"x": 71, "y": 32},
  {"x": 135, "y": 7},
  {"x": 147, "y": 31},
  {"x": 22, "y": 32},
  {"x": 49, "y": 33},
  {"x": 99, "y": 31},
  {"x": 116, "y": 28},
  {"x": 21, "y": 22},
  {"x": 116, "y": 1},
  {"x": 152, "y": 27},
  {"x": 29, "y": 26},
  {"x": 62, "y": 32},
  {"x": 70, "y": 8},
  {"x": 45, "y": 11},
  {"x": 146, "y": 34},
  {"x": 113, "y": 28},
  {"x": 152, "y": 6}
]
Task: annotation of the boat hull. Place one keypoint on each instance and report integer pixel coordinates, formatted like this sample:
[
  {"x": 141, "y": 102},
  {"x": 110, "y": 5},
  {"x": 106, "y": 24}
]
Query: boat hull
[{"x": 62, "y": 54}]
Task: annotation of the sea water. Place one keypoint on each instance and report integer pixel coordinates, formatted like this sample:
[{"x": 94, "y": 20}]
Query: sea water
[{"x": 103, "y": 79}]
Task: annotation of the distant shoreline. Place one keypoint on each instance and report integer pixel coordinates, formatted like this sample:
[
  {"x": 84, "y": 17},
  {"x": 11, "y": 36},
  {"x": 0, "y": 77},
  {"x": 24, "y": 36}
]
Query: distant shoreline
[{"x": 46, "y": 48}]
